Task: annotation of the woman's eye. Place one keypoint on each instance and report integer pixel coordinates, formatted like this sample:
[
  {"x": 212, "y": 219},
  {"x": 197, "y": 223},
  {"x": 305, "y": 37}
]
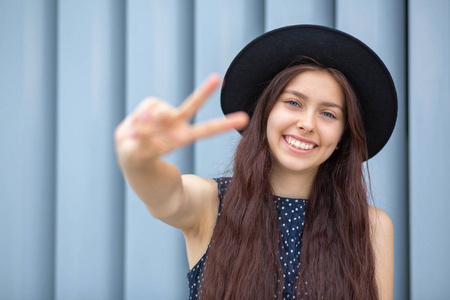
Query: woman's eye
[
  {"x": 328, "y": 115},
  {"x": 293, "y": 103}
]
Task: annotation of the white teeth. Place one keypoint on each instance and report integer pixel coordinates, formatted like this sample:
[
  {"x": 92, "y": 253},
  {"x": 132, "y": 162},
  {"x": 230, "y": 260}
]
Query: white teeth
[{"x": 298, "y": 144}]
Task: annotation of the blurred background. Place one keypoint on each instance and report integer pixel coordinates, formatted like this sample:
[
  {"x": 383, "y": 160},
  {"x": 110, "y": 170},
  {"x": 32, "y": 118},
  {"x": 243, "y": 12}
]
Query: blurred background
[{"x": 71, "y": 70}]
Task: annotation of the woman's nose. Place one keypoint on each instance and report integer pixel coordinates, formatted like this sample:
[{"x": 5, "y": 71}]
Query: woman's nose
[{"x": 306, "y": 123}]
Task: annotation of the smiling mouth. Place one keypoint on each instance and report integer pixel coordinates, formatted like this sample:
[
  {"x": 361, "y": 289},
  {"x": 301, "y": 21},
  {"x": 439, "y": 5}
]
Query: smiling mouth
[{"x": 298, "y": 144}]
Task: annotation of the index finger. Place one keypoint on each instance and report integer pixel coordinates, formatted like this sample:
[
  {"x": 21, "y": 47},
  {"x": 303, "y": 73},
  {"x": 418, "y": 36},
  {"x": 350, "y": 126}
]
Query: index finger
[
  {"x": 195, "y": 100},
  {"x": 237, "y": 120}
]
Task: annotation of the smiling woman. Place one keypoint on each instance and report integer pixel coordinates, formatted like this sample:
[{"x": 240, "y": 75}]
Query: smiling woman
[
  {"x": 304, "y": 127},
  {"x": 293, "y": 221}
]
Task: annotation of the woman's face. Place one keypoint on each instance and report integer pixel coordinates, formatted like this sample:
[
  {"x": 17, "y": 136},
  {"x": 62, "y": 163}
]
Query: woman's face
[{"x": 306, "y": 123}]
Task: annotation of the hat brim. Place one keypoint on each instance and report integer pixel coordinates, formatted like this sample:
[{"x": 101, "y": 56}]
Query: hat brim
[{"x": 264, "y": 57}]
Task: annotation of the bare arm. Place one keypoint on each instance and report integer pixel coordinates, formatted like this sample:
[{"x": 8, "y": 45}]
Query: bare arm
[
  {"x": 383, "y": 243},
  {"x": 154, "y": 129}
]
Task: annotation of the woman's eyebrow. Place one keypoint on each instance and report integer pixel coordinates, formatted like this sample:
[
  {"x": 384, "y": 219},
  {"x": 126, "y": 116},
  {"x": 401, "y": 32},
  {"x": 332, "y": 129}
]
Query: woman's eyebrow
[
  {"x": 296, "y": 93},
  {"x": 331, "y": 104},
  {"x": 304, "y": 97}
]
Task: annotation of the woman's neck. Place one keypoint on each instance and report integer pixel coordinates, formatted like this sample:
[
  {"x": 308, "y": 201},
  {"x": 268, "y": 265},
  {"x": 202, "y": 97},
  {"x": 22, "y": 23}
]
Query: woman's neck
[{"x": 292, "y": 185}]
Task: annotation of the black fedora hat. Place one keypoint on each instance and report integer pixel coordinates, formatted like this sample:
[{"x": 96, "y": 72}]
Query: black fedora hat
[{"x": 264, "y": 57}]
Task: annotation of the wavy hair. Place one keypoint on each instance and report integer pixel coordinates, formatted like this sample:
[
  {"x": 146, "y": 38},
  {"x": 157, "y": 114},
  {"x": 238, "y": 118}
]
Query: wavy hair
[{"x": 337, "y": 260}]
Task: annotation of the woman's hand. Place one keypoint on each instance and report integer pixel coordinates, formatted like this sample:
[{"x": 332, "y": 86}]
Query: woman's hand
[{"x": 156, "y": 128}]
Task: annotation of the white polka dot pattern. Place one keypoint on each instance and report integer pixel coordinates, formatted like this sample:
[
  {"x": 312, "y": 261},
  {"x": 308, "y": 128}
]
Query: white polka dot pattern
[{"x": 291, "y": 216}]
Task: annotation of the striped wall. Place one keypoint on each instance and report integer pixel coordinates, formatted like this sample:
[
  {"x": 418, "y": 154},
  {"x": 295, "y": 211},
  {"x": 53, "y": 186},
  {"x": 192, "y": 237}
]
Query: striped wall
[{"x": 71, "y": 228}]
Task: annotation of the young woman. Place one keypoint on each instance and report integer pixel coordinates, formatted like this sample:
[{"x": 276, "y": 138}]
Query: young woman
[{"x": 294, "y": 221}]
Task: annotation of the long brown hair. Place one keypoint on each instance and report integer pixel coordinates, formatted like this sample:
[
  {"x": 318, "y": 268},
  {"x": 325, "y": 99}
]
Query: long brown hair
[{"x": 337, "y": 259}]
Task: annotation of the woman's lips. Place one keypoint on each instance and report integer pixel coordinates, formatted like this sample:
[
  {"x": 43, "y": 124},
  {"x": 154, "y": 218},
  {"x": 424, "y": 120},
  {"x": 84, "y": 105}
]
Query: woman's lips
[{"x": 299, "y": 144}]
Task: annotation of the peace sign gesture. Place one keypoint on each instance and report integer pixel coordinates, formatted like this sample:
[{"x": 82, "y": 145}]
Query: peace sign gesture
[{"x": 156, "y": 128}]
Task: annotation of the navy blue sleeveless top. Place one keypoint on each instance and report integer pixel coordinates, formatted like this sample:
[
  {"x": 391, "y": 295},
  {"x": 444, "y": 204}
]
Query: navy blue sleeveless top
[{"x": 291, "y": 215}]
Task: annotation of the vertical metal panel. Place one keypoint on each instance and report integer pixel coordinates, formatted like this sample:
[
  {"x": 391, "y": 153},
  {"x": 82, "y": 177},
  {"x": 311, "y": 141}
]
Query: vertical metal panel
[
  {"x": 429, "y": 108},
  {"x": 291, "y": 12},
  {"x": 159, "y": 63},
  {"x": 222, "y": 29},
  {"x": 381, "y": 25},
  {"x": 89, "y": 262},
  {"x": 27, "y": 151}
]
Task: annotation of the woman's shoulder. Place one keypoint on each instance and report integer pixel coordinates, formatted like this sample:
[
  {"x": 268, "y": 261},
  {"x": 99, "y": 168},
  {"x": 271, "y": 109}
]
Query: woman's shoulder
[
  {"x": 380, "y": 221},
  {"x": 201, "y": 200},
  {"x": 199, "y": 187}
]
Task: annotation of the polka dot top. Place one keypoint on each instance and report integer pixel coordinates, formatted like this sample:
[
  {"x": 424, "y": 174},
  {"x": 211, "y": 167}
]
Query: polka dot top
[{"x": 291, "y": 214}]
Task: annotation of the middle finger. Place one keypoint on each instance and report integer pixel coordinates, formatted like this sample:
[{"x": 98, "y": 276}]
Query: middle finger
[{"x": 190, "y": 106}]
